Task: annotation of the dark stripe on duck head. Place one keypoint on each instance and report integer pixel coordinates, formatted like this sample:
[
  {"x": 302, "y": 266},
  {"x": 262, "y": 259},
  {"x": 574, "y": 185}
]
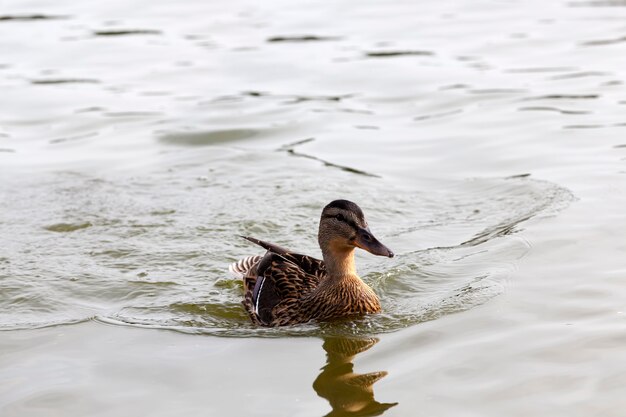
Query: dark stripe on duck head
[
  {"x": 342, "y": 218},
  {"x": 348, "y": 206}
]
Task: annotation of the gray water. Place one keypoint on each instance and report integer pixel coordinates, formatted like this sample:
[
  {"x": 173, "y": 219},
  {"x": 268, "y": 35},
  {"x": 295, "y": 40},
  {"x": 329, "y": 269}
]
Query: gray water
[{"x": 485, "y": 142}]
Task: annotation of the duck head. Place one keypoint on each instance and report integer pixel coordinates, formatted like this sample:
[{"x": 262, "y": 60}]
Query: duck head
[{"x": 343, "y": 228}]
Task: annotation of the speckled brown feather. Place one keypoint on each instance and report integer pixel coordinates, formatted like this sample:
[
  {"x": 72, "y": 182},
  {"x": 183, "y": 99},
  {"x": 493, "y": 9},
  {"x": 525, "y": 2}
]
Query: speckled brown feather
[
  {"x": 296, "y": 279},
  {"x": 292, "y": 275}
]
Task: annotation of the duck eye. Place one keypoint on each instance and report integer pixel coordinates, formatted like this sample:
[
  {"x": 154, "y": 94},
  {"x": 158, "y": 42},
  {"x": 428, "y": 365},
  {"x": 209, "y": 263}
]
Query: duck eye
[{"x": 340, "y": 217}]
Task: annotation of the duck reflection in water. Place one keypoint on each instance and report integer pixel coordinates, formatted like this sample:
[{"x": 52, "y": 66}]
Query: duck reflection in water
[{"x": 349, "y": 393}]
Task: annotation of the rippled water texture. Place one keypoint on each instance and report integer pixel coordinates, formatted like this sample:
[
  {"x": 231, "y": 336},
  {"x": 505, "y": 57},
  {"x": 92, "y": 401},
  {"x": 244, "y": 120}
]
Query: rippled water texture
[
  {"x": 120, "y": 252},
  {"x": 485, "y": 141}
]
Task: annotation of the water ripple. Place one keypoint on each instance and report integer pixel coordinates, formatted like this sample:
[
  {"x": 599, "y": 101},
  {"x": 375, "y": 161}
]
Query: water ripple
[
  {"x": 126, "y": 32},
  {"x": 303, "y": 38},
  {"x": 31, "y": 17},
  {"x": 393, "y": 54},
  {"x": 553, "y": 109},
  {"x": 602, "y": 42},
  {"x": 455, "y": 253}
]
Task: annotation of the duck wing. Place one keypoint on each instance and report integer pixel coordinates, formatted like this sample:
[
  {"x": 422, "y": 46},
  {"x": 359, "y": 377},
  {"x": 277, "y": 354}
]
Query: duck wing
[{"x": 275, "y": 285}]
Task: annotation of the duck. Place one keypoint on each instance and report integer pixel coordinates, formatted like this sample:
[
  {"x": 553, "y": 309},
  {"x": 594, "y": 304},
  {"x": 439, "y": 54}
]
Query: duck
[{"x": 283, "y": 287}]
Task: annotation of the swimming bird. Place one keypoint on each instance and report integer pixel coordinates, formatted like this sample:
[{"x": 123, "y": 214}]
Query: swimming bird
[{"x": 283, "y": 287}]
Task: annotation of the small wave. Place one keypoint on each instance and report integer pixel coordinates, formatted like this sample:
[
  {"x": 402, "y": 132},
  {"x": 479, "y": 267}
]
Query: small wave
[
  {"x": 602, "y": 42},
  {"x": 208, "y": 138},
  {"x": 302, "y": 38},
  {"x": 30, "y": 17},
  {"x": 126, "y": 32},
  {"x": 65, "y": 81},
  {"x": 553, "y": 109},
  {"x": 394, "y": 54}
]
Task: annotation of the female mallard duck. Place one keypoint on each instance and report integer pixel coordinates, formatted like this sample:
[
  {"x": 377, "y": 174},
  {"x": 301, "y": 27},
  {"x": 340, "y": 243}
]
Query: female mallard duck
[{"x": 283, "y": 287}]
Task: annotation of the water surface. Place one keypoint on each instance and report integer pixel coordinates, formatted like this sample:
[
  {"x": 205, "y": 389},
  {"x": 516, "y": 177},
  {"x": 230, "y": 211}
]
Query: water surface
[{"x": 484, "y": 141}]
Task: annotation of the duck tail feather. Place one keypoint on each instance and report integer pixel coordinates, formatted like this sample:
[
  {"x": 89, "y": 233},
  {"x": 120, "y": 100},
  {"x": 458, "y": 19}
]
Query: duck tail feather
[
  {"x": 240, "y": 268},
  {"x": 266, "y": 245}
]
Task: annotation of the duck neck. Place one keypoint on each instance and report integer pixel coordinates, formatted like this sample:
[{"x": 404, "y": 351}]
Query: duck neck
[{"x": 340, "y": 264}]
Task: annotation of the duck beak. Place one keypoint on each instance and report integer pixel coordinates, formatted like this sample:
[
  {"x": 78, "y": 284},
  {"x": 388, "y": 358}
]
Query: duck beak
[{"x": 366, "y": 241}]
